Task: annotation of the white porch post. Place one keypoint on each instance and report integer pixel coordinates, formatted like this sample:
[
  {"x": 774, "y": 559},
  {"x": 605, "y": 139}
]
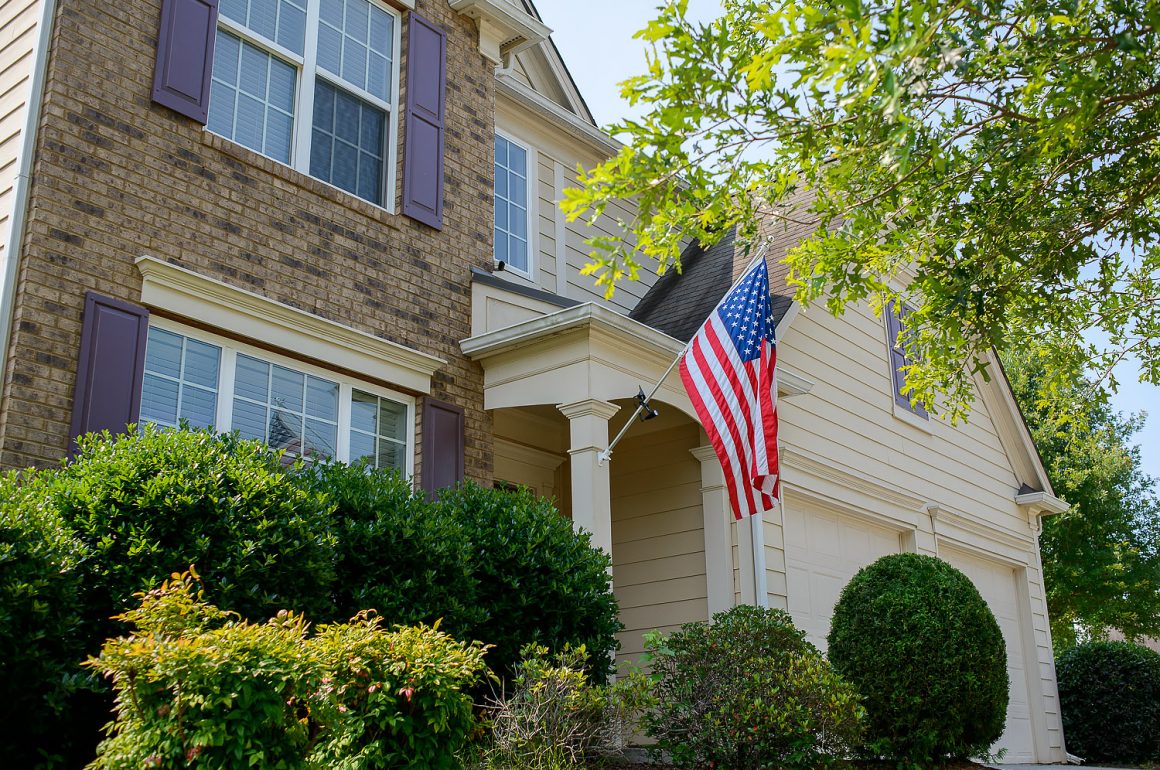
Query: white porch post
[
  {"x": 717, "y": 520},
  {"x": 591, "y": 488}
]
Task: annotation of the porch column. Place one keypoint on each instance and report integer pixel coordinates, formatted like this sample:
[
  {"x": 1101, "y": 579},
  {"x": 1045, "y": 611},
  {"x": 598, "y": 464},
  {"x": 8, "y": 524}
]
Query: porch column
[
  {"x": 591, "y": 489},
  {"x": 717, "y": 520}
]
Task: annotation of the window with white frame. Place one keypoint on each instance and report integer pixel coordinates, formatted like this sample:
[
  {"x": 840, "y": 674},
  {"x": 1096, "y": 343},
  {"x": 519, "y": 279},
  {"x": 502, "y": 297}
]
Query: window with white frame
[
  {"x": 311, "y": 83},
  {"x": 307, "y": 412},
  {"x": 511, "y": 205}
]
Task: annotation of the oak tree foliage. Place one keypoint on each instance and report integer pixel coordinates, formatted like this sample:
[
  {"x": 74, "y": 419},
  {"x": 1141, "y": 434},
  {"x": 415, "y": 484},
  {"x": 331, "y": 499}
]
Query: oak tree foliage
[{"x": 993, "y": 163}]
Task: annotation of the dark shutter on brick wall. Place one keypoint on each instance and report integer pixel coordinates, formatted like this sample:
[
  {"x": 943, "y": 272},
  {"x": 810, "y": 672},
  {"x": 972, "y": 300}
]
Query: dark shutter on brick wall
[
  {"x": 111, "y": 365},
  {"x": 442, "y": 445},
  {"x": 423, "y": 160},
  {"x": 185, "y": 56}
]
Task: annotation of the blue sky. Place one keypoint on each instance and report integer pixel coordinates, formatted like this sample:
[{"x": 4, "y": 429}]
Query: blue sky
[{"x": 595, "y": 39}]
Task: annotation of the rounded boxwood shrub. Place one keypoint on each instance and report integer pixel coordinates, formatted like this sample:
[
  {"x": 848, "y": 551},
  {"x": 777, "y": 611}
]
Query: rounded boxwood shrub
[
  {"x": 536, "y": 580},
  {"x": 40, "y": 641},
  {"x": 152, "y": 502},
  {"x": 748, "y": 691},
  {"x": 1109, "y": 695},
  {"x": 920, "y": 644}
]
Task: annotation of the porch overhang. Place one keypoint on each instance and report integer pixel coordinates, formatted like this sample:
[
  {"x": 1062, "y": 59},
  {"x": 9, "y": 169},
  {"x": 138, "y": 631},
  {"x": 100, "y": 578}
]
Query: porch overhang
[{"x": 575, "y": 354}]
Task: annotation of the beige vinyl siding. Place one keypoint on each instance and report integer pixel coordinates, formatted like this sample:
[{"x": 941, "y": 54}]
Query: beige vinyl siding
[
  {"x": 545, "y": 222},
  {"x": 19, "y": 21},
  {"x": 848, "y": 418},
  {"x": 658, "y": 541}
]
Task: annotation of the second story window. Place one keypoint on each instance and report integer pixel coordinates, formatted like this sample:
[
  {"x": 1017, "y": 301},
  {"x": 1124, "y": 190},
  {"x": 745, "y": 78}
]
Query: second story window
[
  {"x": 900, "y": 357},
  {"x": 511, "y": 206},
  {"x": 311, "y": 83}
]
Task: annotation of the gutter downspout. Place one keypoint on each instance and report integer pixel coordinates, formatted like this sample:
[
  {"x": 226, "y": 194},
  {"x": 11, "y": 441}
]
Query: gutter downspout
[{"x": 23, "y": 182}]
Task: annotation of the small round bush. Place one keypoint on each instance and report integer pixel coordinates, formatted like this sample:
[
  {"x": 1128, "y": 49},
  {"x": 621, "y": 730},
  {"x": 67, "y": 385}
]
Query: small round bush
[
  {"x": 920, "y": 644},
  {"x": 1109, "y": 694},
  {"x": 537, "y": 581},
  {"x": 748, "y": 691},
  {"x": 40, "y": 641},
  {"x": 153, "y": 502}
]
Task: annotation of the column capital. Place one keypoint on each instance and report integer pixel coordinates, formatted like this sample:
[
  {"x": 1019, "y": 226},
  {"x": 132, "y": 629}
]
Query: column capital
[
  {"x": 704, "y": 453},
  {"x": 589, "y": 407}
]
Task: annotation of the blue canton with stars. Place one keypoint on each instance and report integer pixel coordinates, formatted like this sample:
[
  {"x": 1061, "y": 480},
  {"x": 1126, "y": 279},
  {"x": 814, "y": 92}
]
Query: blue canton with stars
[{"x": 747, "y": 313}]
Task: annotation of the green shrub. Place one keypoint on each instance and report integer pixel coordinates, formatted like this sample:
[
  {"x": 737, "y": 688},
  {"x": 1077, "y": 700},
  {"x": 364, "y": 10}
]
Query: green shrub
[
  {"x": 40, "y": 640},
  {"x": 919, "y": 643},
  {"x": 197, "y": 686},
  {"x": 1109, "y": 695},
  {"x": 150, "y": 503},
  {"x": 553, "y": 716},
  {"x": 748, "y": 691},
  {"x": 394, "y": 552},
  {"x": 537, "y": 581}
]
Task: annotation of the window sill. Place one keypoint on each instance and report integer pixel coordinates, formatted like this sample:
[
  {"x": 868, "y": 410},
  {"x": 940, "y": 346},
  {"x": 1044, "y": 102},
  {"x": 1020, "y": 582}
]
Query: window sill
[
  {"x": 298, "y": 179},
  {"x": 912, "y": 419}
]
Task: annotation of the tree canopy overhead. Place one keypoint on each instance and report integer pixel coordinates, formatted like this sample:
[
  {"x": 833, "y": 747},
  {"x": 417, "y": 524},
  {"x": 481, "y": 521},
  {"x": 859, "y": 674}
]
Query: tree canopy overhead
[{"x": 993, "y": 163}]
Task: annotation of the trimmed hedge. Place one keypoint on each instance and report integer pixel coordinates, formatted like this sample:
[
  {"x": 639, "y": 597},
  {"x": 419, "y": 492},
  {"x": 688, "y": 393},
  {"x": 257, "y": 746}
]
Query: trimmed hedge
[
  {"x": 749, "y": 691},
  {"x": 537, "y": 580},
  {"x": 920, "y": 644},
  {"x": 40, "y": 624},
  {"x": 1109, "y": 696}
]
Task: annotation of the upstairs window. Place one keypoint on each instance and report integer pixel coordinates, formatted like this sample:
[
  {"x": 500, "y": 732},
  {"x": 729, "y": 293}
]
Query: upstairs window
[
  {"x": 311, "y": 83},
  {"x": 214, "y": 383},
  {"x": 899, "y": 358},
  {"x": 511, "y": 206}
]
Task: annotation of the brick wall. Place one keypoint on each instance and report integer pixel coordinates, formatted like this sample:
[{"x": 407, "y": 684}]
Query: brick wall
[{"x": 117, "y": 177}]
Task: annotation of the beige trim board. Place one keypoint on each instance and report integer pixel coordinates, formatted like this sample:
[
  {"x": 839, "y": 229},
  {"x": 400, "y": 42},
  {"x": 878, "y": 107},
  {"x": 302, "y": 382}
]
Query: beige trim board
[{"x": 252, "y": 316}]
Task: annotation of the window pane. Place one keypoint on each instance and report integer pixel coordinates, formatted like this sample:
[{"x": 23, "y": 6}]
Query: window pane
[
  {"x": 321, "y": 438},
  {"x": 285, "y": 431},
  {"x": 391, "y": 455},
  {"x": 292, "y": 27},
  {"x": 252, "y": 379},
  {"x": 392, "y": 420},
  {"x": 163, "y": 353},
  {"x": 364, "y": 412},
  {"x": 329, "y": 49},
  {"x": 362, "y": 448},
  {"x": 331, "y": 12},
  {"x": 159, "y": 400},
  {"x": 198, "y": 406},
  {"x": 201, "y": 363},
  {"x": 321, "y": 398},
  {"x": 348, "y": 142},
  {"x": 518, "y": 253},
  {"x": 283, "y": 21},
  {"x": 250, "y": 420},
  {"x": 287, "y": 386},
  {"x": 264, "y": 17},
  {"x": 355, "y": 42}
]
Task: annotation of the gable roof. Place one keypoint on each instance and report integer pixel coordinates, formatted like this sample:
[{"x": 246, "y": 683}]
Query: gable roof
[{"x": 543, "y": 70}]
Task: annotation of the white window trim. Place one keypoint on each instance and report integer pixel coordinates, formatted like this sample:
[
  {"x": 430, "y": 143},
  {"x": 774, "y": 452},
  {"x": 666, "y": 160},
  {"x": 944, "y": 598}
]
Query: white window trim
[
  {"x": 226, "y": 376},
  {"x": 304, "y": 97},
  {"x": 252, "y": 316},
  {"x": 908, "y": 416},
  {"x": 533, "y": 164}
]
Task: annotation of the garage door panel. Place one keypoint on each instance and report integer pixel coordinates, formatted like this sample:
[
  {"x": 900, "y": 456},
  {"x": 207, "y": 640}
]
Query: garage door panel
[
  {"x": 997, "y": 584},
  {"x": 823, "y": 550}
]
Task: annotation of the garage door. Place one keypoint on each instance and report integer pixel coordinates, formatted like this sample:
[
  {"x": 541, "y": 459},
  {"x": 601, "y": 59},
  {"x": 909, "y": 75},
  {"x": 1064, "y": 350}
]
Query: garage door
[
  {"x": 823, "y": 550},
  {"x": 996, "y": 583}
]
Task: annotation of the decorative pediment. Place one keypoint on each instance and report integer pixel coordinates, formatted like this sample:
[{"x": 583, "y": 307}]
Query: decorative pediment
[{"x": 505, "y": 27}]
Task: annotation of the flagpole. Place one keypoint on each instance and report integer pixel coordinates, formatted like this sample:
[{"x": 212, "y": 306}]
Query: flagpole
[{"x": 605, "y": 456}]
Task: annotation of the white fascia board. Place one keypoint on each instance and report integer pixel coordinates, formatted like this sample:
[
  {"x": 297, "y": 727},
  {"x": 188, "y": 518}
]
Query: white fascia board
[
  {"x": 578, "y": 129},
  {"x": 1043, "y": 502}
]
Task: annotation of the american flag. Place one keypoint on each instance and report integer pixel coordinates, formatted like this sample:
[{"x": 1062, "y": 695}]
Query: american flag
[{"x": 728, "y": 371}]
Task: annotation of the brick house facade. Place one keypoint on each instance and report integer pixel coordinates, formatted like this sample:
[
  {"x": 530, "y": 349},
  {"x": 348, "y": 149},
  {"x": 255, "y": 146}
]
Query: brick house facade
[{"x": 117, "y": 176}]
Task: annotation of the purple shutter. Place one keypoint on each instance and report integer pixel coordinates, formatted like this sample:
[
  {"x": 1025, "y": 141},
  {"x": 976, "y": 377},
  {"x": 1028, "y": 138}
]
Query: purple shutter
[
  {"x": 423, "y": 159},
  {"x": 111, "y": 365},
  {"x": 442, "y": 445},
  {"x": 898, "y": 359},
  {"x": 185, "y": 56}
]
